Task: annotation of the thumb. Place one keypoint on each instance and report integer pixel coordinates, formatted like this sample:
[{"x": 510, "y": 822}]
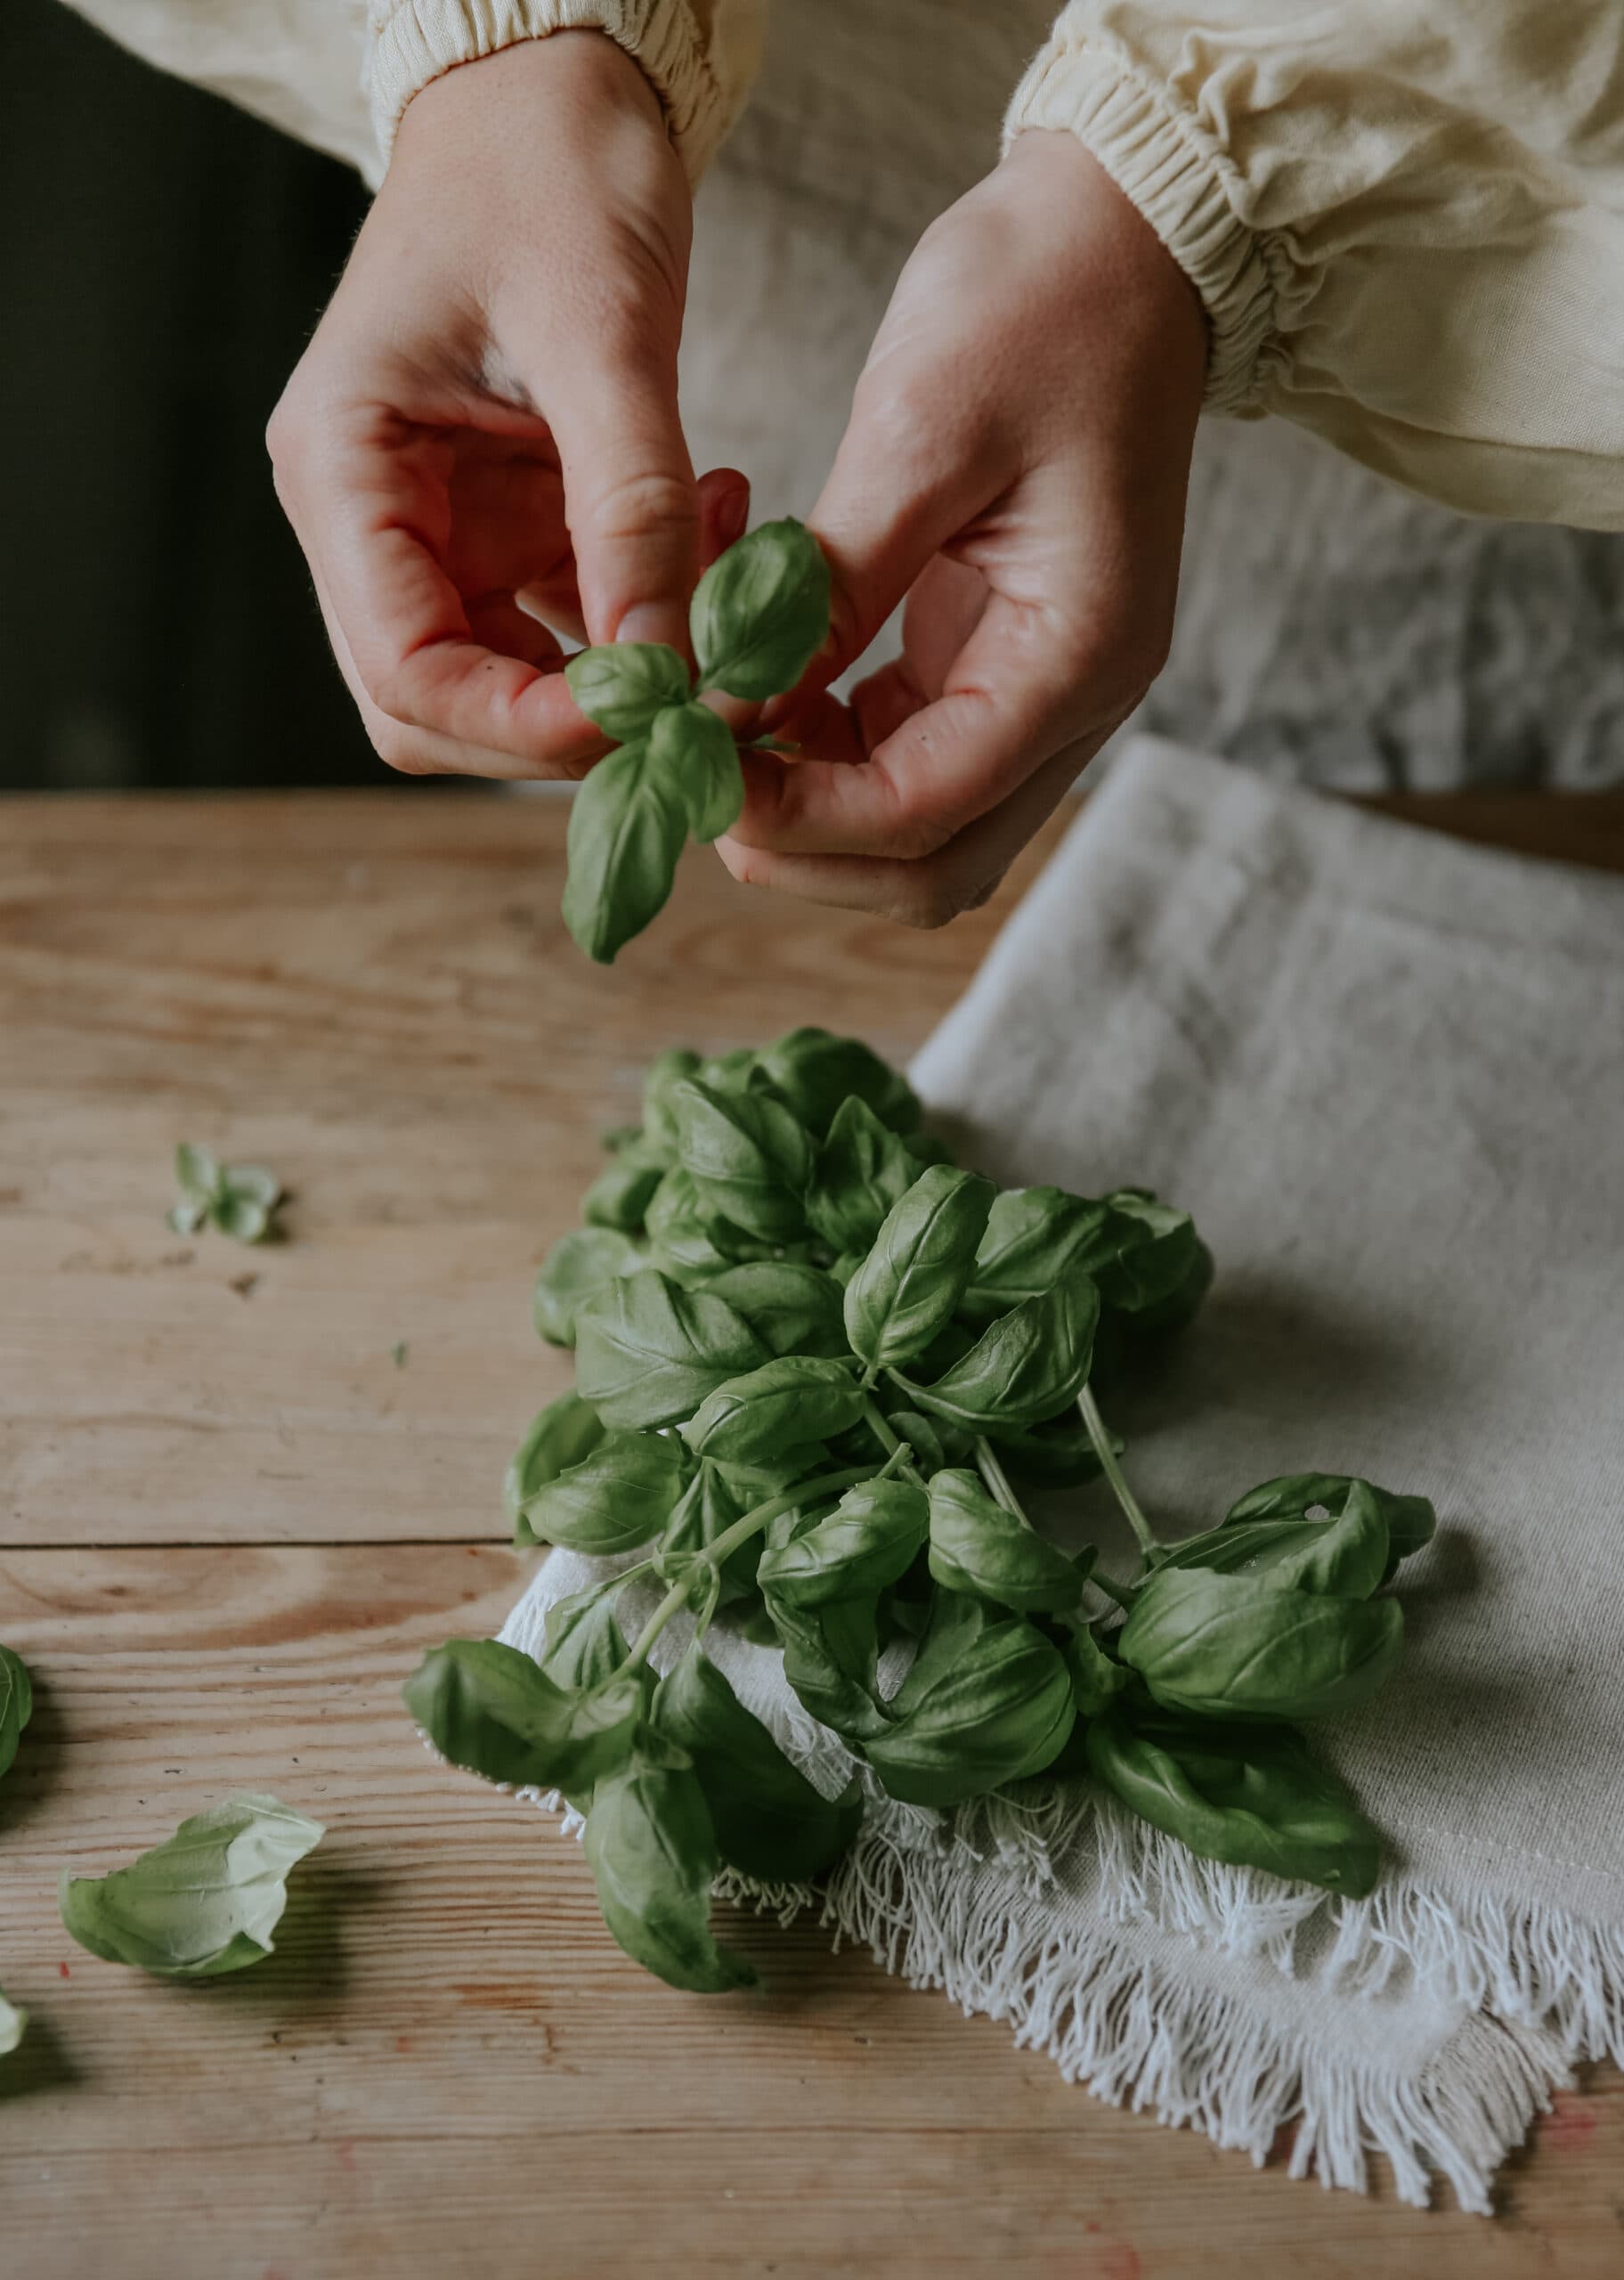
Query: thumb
[{"x": 630, "y": 502}]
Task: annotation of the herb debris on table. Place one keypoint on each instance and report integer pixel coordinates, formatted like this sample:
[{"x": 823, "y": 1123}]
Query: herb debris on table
[{"x": 241, "y": 1200}]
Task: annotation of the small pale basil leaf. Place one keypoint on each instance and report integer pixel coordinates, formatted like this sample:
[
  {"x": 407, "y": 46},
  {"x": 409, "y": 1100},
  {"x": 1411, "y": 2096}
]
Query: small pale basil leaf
[
  {"x": 709, "y": 1505},
  {"x": 695, "y": 747},
  {"x": 241, "y": 1219},
  {"x": 580, "y": 1265},
  {"x": 1245, "y": 1647},
  {"x": 560, "y": 1436},
  {"x": 659, "y": 1117},
  {"x": 748, "y": 1156},
  {"x": 616, "y": 1498},
  {"x": 818, "y": 1073},
  {"x": 251, "y": 1183},
  {"x": 1024, "y": 1367},
  {"x": 651, "y": 1851},
  {"x": 977, "y": 1546},
  {"x": 627, "y": 828},
  {"x": 16, "y": 1704},
  {"x": 906, "y": 1289},
  {"x": 647, "y": 1352},
  {"x": 760, "y": 612},
  {"x": 197, "y": 1173},
  {"x": 863, "y": 1170},
  {"x": 831, "y": 1658},
  {"x": 734, "y": 1071},
  {"x": 793, "y": 1310},
  {"x": 489, "y": 1709},
  {"x": 13, "y": 2025},
  {"x": 622, "y": 685},
  {"x": 583, "y": 1643},
  {"x": 1250, "y": 1796},
  {"x": 205, "y": 1901},
  {"x": 184, "y": 1218},
  {"x": 770, "y": 1822},
  {"x": 1000, "y": 1711},
  {"x": 1346, "y": 1555},
  {"x": 1410, "y": 1520},
  {"x": 867, "y": 1542},
  {"x": 1097, "y": 1679},
  {"x": 753, "y": 1417},
  {"x": 620, "y": 1194}
]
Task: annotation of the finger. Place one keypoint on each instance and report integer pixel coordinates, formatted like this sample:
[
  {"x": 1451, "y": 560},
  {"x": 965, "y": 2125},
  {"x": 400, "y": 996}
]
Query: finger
[
  {"x": 631, "y": 499},
  {"x": 934, "y": 890},
  {"x": 723, "y": 512}
]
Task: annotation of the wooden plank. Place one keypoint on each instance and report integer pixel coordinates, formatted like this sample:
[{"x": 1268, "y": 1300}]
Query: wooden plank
[{"x": 447, "y": 2066}]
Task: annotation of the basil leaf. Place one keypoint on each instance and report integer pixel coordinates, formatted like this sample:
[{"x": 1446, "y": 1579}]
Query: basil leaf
[
  {"x": 953, "y": 1622},
  {"x": 818, "y": 1073},
  {"x": 197, "y": 1174},
  {"x": 583, "y": 1643},
  {"x": 977, "y": 1546},
  {"x": 760, "y": 612},
  {"x": 748, "y": 1156},
  {"x": 205, "y": 1901},
  {"x": 710, "y": 1504},
  {"x": 1036, "y": 1237},
  {"x": 627, "y": 828},
  {"x": 907, "y": 1287},
  {"x": 1346, "y": 1555},
  {"x": 1097, "y": 1679},
  {"x": 925, "y": 1437},
  {"x": 489, "y": 1709},
  {"x": 734, "y": 1071},
  {"x": 1057, "y": 1453},
  {"x": 14, "y": 2023},
  {"x": 1146, "y": 1254},
  {"x": 621, "y": 686},
  {"x": 241, "y": 1219},
  {"x": 619, "y": 1137},
  {"x": 1025, "y": 1367},
  {"x": 580, "y": 1265},
  {"x": 560, "y": 1436},
  {"x": 16, "y": 1705},
  {"x": 620, "y": 1194},
  {"x": 648, "y": 1352},
  {"x": 250, "y": 1184},
  {"x": 695, "y": 748},
  {"x": 651, "y": 1851},
  {"x": 1243, "y": 1647},
  {"x": 769, "y": 1821},
  {"x": 1252, "y": 1797},
  {"x": 863, "y": 1170},
  {"x": 869, "y": 1539},
  {"x": 685, "y": 1237},
  {"x": 831, "y": 1660},
  {"x": 1410, "y": 1520},
  {"x": 797, "y": 1399},
  {"x": 185, "y": 1218},
  {"x": 793, "y": 1310},
  {"x": 614, "y": 1499},
  {"x": 666, "y": 1070},
  {"x": 1001, "y": 1711}
]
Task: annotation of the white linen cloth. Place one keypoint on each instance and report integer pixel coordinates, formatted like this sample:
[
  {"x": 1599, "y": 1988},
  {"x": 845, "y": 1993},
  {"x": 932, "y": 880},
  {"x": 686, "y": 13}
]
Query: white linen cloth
[{"x": 1385, "y": 1073}]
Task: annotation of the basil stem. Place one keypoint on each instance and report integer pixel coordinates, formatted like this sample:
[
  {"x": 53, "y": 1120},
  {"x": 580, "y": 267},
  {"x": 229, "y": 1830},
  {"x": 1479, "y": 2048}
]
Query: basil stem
[
  {"x": 880, "y": 1426},
  {"x": 996, "y": 1478},
  {"x": 1113, "y": 1471}
]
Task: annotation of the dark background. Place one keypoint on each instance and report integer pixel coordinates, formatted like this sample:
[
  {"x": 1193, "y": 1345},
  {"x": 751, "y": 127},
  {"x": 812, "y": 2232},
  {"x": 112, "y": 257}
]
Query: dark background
[{"x": 164, "y": 261}]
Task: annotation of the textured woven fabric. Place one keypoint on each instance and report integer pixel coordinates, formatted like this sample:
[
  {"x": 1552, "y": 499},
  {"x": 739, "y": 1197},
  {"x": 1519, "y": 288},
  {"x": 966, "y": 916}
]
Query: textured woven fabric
[{"x": 1384, "y": 1073}]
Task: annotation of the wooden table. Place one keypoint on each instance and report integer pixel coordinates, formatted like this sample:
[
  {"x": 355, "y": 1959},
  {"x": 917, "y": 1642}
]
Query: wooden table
[{"x": 230, "y": 1521}]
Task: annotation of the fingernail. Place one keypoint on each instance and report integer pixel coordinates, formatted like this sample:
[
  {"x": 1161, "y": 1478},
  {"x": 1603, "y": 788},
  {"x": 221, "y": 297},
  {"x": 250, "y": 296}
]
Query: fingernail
[
  {"x": 649, "y": 621},
  {"x": 732, "y": 513}
]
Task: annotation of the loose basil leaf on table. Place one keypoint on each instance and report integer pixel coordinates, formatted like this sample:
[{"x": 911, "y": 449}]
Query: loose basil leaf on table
[
  {"x": 205, "y": 1901},
  {"x": 620, "y": 1194},
  {"x": 1000, "y": 1711},
  {"x": 579, "y": 1265},
  {"x": 620, "y": 1494},
  {"x": 907, "y": 1287},
  {"x": 1346, "y": 1554},
  {"x": 769, "y": 1821},
  {"x": 1252, "y": 1795},
  {"x": 651, "y": 1851},
  {"x": 16, "y": 1705},
  {"x": 796, "y": 1399},
  {"x": 1245, "y": 1647},
  {"x": 818, "y": 1073},
  {"x": 1411, "y": 1521},
  {"x": 560, "y": 1436},
  {"x": 647, "y": 1352},
  {"x": 760, "y": 612},
  {"x": 13, "y": 2025},
  {"x": 748, "y": 1156},
  {"x": 793, "y": 1310},
  {"x": 489, "y": 1709},
  {"x": 976, "y": 1546},
  {"x": 623, "y": 685},
  {"x": 695, "y": 747},
  {"x": 1024, "y": 1367},
  {"x": 628, "y": 825},
  {"x": 867, "y": 1542},
  {"x": 862, "y": 1172},
  {"x": 583, "y": 1643}
]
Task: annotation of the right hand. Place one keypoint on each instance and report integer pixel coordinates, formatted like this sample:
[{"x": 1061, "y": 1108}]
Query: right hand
[{"x": 483, "y": 433}]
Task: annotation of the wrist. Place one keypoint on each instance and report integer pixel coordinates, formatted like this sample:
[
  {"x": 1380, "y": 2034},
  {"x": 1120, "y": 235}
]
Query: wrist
[{"x": 578, "y": 78}]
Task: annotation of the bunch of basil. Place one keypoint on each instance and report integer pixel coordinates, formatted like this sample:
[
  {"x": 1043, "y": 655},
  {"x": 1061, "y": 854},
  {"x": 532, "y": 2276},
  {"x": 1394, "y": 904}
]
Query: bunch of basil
[{"x": 817, "y": 1367}]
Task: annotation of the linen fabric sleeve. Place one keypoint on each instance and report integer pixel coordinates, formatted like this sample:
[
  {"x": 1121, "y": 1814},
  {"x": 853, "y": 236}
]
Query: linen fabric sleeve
[{"x": 1405, "y": 219}]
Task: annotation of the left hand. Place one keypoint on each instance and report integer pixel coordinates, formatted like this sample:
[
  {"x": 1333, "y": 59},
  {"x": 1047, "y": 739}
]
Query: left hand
[{"x": 1016, "y": 464}]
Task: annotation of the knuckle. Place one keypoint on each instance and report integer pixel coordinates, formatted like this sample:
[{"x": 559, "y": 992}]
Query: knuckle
[
  {"x": 923, "y": 898},
  {"x": 645, "y": 501},
  {"x": 399, "y": 749}
]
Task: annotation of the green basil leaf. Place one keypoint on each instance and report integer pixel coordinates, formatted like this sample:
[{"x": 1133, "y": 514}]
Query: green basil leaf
[
  {"x": 242, "y": 1219},
  {"x": 617, "y": 1136},
  {"x": 977, "y": 1546},
  {"x": 1000, "y": 1711},
  {"x": 686, "y": 1237},
  {"x": 734, "y": 1071},
  {"x": 1027, "y": 1365},
  {"x": 1036, "y": 1237},
  {"x": 616, "y": 1498},
  {"x": 709, "y": 1505},
  {"x": 583, "y": 1643},
  {"x": 579, "y": 1265},
  {"x": 489, "y": 1709},
  {"x": 793, "y": 1310},
  {"x": 665, "y": 1070},
  {"x": 748, "y": 1156},
  {"x": 1146, "y": 1256},
  {"x": 205, "y": 1901},
  {"x": 796, "y": 1399},
  {"x": 13, "y": 2025},
  {"x": 927, "y": 1437},
  {"x": 1097, "y": 1679},
  {"x": 1057, "y": 1453},
  {"x": 560, "y": 1436},
  {"x": 760, "y": 612},
  {"x": 16, "y": 1705},
  {"x": 184, "y": 1218},
  {"x": 769, "y": 1821},
  {"x": 1254, "y": 1796},
  {"x": 621, "y": 686},
  {"x": 620, "y": 1194},
  {"x": 648, "y": 1352},
  {"x": 1410, "y": 1520},
  {"x": 628, "y": 827},
  {"x": 1243, "y": 1647},
  {"x": 251, "y": 1183},
  {"x": 695, "y": 747},
  {"x": 868, "y": 1541},
  {"x": 818, "y": 1073},
  {"x": 862, "y": 1172},
  {"x": 652, "y": 1851},
  {"x": 906, "y": 1289},
  {"x": 197, "y": 1174},
  {"x": 831, "y": 1660},
  {"x": 1345, "y": 1555}
]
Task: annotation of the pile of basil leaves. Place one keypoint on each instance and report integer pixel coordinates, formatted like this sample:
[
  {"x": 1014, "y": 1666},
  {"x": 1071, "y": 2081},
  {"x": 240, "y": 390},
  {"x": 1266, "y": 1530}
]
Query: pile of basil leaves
[{"x": 818, "y": 1367}]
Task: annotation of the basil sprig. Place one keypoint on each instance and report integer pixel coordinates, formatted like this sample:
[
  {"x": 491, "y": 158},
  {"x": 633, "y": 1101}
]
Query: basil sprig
[{"x": 816, "y": 1362}]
